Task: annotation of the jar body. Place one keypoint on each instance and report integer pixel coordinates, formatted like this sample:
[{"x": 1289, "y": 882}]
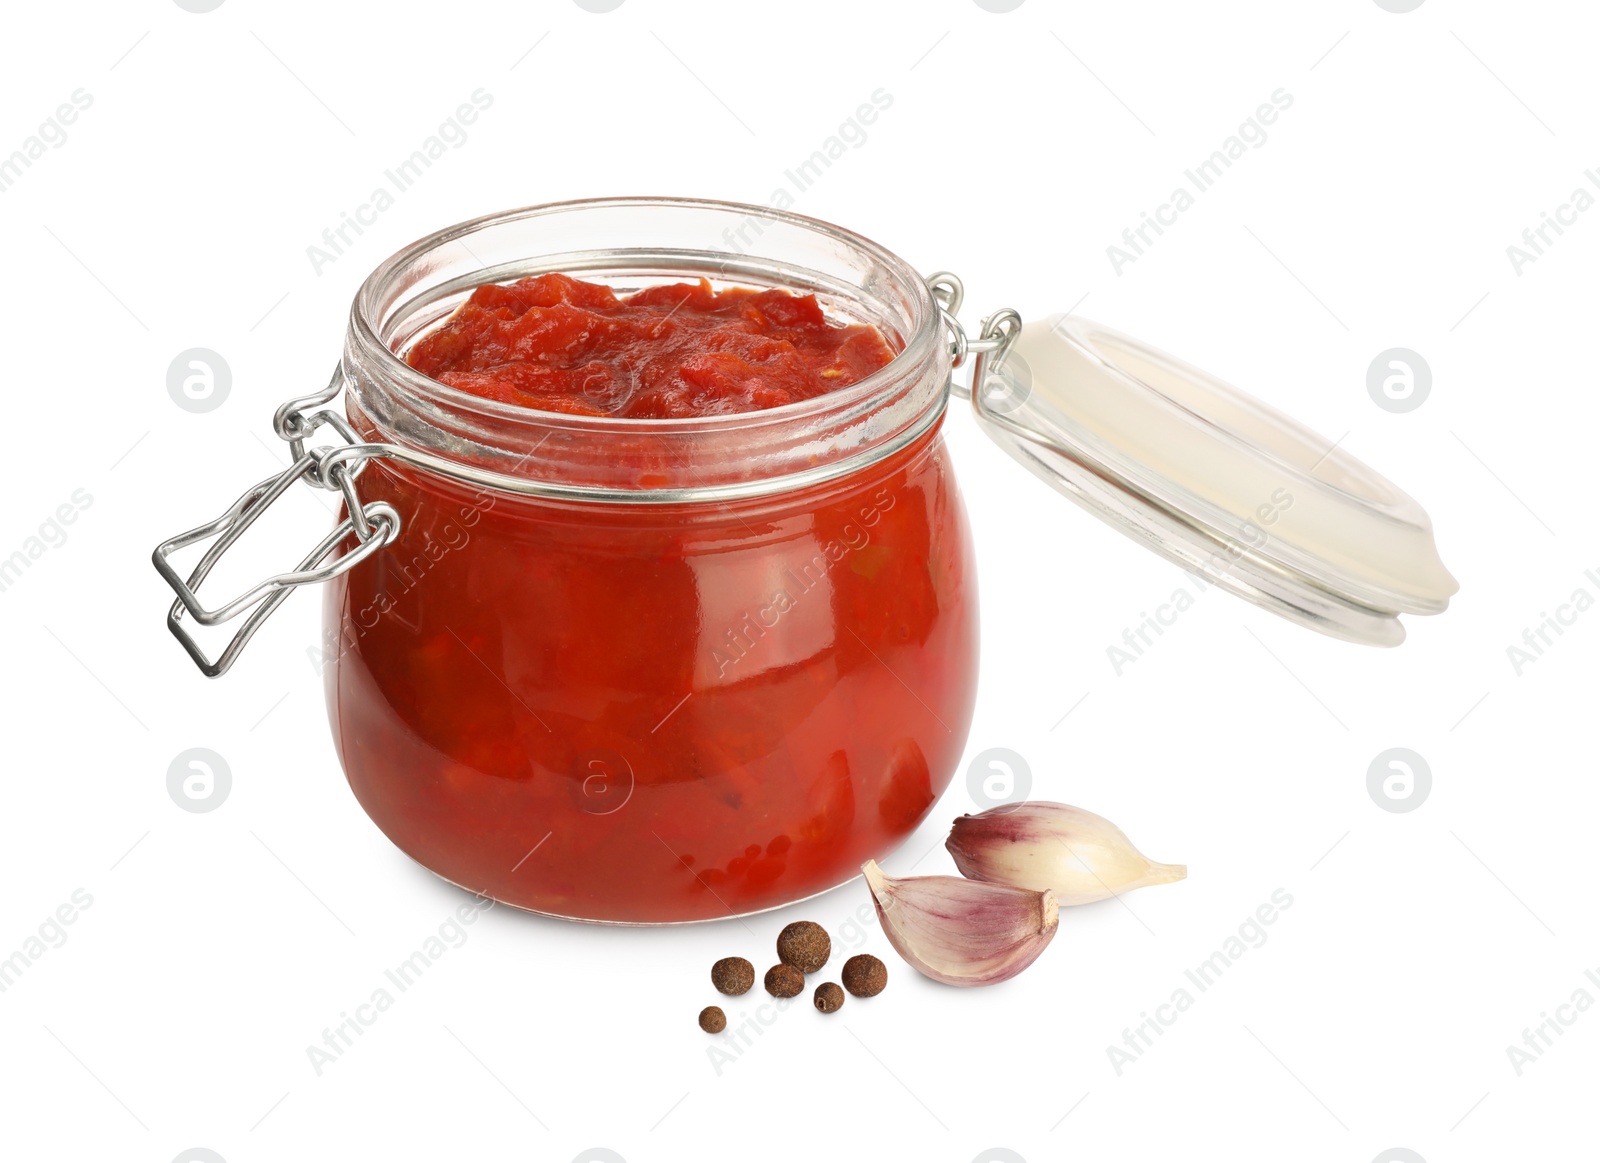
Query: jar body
[{"x": 647, "y": 713}]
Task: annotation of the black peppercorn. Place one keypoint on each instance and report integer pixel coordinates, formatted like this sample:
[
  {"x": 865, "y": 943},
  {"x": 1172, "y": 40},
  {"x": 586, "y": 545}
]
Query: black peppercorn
[
  {"x": 864, "y": 975},
  {"x": 784, "y": 981},
  {"x": 733, "y": 976},
  {"x": 805, "y": 945},
  {"x": 713, "y": 1020},
  {"x": 828, "y": 997}
]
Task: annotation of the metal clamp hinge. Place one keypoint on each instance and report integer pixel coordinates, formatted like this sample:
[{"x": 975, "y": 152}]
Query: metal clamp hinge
[
  {"x": 374, "y": 525},
  {"x": 996, "y": 333}
]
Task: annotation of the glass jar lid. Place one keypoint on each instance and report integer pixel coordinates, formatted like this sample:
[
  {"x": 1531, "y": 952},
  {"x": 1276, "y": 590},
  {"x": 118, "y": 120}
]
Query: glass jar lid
[{"x": 1211, "y": 478}]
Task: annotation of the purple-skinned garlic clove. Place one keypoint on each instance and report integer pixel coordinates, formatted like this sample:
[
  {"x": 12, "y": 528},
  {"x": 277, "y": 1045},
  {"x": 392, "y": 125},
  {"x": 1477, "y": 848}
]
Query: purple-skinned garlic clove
[
  {"x": 1079, "y": 856},
  {"x": 962, "y": 932}
]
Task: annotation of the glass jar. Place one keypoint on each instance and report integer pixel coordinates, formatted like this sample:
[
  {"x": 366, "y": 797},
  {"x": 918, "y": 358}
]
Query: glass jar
[{"x": 734, "y": 661}]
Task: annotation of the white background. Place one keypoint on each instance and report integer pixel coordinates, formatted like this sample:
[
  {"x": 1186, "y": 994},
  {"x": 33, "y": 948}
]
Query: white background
[{"x": 1378, "y": 1012}]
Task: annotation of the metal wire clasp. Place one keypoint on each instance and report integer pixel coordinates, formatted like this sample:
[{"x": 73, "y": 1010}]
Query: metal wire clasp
[
  {"x": 996, "y": 332},
  {"x": 334, "y": 467}
]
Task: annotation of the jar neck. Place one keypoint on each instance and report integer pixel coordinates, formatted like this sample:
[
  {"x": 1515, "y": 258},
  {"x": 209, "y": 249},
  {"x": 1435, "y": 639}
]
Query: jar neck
[{"x": 631, "y": 243}]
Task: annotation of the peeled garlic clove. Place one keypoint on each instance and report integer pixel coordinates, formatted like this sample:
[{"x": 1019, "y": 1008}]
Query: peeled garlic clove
[
  {"x": 1079, "y": 856},
  {"x": 962, "y": 932}
]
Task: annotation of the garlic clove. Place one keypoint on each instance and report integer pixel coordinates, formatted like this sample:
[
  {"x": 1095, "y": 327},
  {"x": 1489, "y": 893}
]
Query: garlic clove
[
  {"x": 962, "y": 932},
  {"x": 1079, "y": 856}
]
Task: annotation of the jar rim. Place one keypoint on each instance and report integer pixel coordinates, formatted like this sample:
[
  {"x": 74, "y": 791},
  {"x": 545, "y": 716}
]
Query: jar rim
[
  {"x": 366, "y": 309},
  {"x": 518, "y": 449}
]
